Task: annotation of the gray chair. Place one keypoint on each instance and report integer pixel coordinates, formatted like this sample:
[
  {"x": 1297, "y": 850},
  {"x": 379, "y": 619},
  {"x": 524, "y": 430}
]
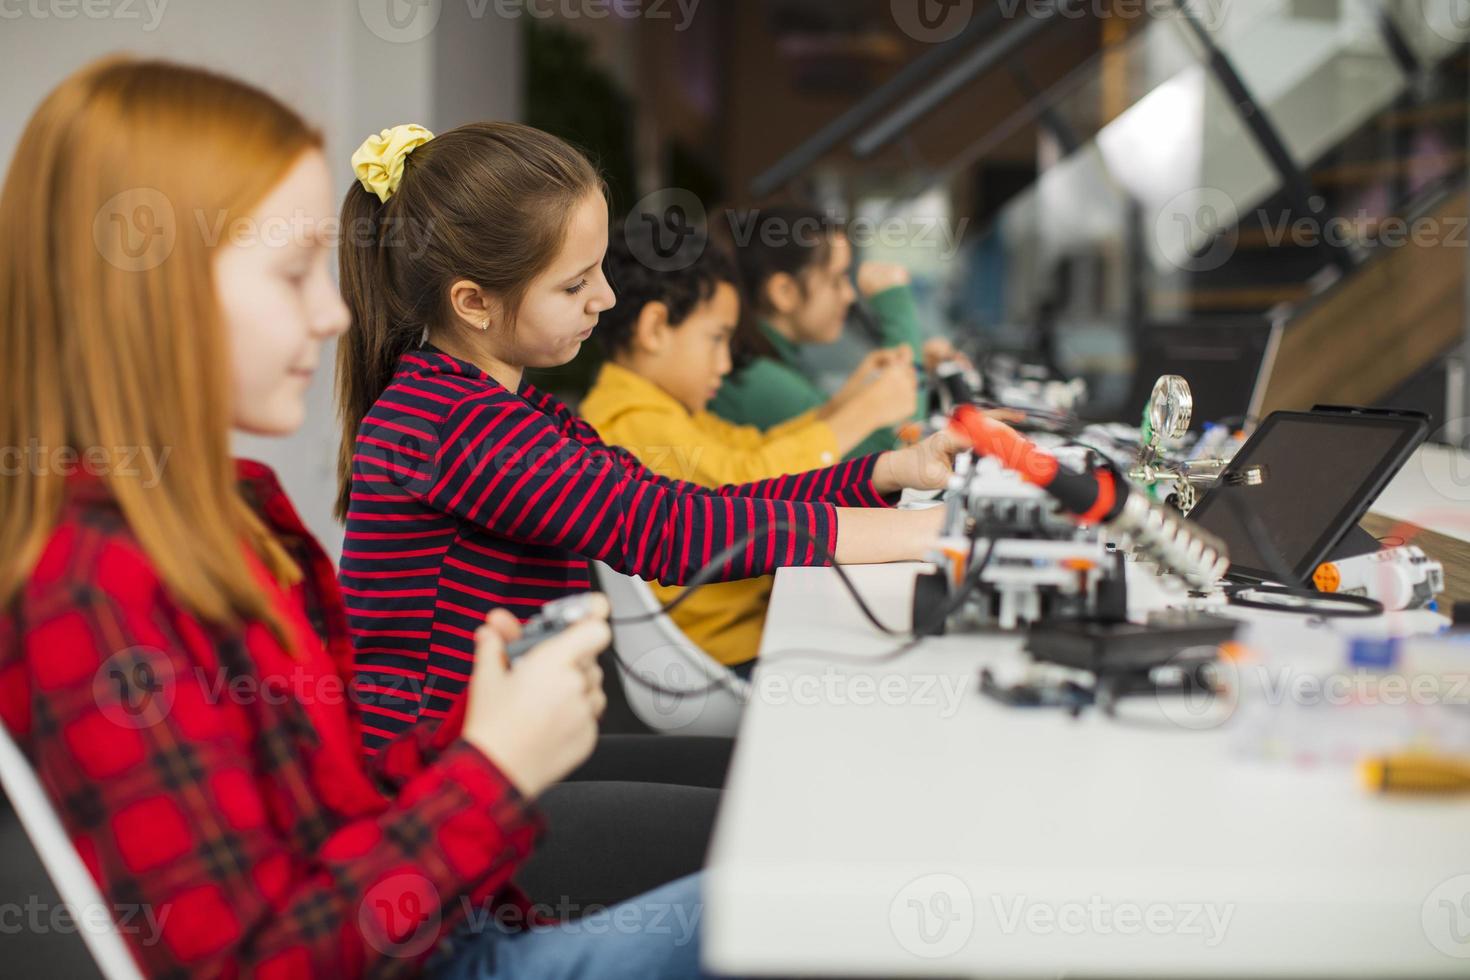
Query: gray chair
[
  {"x": 73, "y": 881},
  {"x": 656, "y": 649}
]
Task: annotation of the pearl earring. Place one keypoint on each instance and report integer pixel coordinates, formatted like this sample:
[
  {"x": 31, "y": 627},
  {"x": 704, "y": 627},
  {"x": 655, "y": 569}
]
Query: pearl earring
[{"x": 485, "y": 324}]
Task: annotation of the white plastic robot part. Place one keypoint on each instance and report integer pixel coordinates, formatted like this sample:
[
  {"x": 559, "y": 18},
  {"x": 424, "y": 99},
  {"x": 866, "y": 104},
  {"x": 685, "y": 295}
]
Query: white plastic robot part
[{"x": 1190, "y": 552}]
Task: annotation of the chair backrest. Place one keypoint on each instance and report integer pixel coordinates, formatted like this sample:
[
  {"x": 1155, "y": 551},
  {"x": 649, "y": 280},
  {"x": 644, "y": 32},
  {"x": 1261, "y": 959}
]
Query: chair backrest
[
  {"x": 659, "y": 651},
  {"x": 70, "y": 876}
]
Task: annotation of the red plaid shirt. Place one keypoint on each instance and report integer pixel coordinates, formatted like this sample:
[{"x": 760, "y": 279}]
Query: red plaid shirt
[{"x": 212, "y": 781}]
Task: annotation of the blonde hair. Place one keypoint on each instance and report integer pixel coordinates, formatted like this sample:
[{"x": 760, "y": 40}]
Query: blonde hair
[{"x": 106, "y": 344}]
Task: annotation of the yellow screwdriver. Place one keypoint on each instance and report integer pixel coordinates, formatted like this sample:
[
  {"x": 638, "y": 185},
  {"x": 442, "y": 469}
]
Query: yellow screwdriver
[{"x": 1416, "y": 773}]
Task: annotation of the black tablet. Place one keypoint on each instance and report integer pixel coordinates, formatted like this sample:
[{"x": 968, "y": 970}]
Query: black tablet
[{"x": 1322, "y": 470}]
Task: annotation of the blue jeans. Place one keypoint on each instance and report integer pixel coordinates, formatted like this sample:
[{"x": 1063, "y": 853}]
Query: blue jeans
[{"x": 652, "y": 937}]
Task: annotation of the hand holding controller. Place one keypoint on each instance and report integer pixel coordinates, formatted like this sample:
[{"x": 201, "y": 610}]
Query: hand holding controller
[{"x": 554, "y": 617}]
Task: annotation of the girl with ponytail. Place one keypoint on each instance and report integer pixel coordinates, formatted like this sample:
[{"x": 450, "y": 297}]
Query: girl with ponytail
[{"x": 463, "y": 487}]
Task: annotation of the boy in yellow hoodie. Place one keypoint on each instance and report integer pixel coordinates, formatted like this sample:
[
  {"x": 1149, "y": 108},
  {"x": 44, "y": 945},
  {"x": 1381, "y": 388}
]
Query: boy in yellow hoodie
[{"x": 668, "y": 346}]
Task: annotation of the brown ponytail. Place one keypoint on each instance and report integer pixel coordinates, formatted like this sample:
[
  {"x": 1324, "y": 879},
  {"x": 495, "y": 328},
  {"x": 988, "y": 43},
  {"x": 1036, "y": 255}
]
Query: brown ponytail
[{"x": 487, "y": 202}]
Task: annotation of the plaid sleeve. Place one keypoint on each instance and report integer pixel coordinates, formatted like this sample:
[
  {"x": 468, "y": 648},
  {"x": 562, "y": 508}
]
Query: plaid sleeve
[
  {"x": 415, "y": 748},
  {"x": 186, "y": 807}
]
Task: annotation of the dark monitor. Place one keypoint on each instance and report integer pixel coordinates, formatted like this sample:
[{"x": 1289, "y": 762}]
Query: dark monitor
[
  {"x": 1227, "y": 365},
  {"x": 1321, "y": 471}
]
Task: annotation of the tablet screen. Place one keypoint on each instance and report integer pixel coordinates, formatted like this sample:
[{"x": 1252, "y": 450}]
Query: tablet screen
[{"x": 1322, "y": 472}]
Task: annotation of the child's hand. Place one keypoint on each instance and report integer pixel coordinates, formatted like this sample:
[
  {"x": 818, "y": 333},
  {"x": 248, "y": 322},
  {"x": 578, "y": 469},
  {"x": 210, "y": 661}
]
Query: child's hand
[
  {"x": 890, "y": 397},
  {"x": 867, "y": 371},
  {"x": 937, "y": 350},
  {"x": 879, "y": 277},
  {"x": 926, "y": 465},
  {"x": 537, "y": 722}
]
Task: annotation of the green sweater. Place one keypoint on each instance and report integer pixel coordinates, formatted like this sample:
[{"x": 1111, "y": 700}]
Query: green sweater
[{"x": 771, "y": 390}]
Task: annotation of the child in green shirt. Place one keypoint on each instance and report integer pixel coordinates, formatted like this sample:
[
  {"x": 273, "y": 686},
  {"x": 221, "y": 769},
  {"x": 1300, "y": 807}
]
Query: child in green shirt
[{"x": 795, "y": 265}]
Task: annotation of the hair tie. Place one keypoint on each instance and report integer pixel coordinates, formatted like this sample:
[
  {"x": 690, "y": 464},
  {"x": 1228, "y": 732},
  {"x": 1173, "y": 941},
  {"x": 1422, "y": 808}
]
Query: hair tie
[{"x": 378, "y": 162}]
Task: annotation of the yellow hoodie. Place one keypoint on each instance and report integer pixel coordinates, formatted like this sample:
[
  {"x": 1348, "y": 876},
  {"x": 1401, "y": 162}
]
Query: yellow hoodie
[{"x": 628, "y": 410}]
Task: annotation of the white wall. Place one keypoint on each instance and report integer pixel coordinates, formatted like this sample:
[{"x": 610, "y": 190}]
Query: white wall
[{"x": 343, "y": 63}]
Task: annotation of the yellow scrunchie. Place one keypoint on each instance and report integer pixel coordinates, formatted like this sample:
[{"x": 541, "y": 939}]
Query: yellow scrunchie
[{"x": 378, "y": 162}]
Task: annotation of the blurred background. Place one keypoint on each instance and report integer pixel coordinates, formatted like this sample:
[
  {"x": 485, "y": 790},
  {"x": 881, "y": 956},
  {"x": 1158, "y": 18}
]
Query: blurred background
[{"x": 1097, "y": 186}]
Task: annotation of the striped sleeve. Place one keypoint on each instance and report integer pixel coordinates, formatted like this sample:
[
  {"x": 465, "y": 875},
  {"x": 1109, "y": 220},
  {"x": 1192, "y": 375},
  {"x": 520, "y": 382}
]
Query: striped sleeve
[
  {"x": 499, "y": 463},
  {"x": 848, "y": 484}
]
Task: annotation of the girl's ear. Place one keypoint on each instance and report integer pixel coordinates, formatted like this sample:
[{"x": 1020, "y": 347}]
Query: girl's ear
[
  {"x": 473, "y": 307},
  {"x": 783, "y": 293},
  {"x": 651, "y": 332}
]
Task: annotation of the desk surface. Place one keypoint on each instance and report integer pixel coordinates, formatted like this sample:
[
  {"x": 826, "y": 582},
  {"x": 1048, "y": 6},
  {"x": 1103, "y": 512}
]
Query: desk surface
[{"x": 885, "y": 819}]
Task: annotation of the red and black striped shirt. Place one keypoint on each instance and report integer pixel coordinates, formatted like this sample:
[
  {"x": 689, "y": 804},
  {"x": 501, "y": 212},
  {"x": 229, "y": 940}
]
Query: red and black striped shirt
[{"x": 467, "y": 496}]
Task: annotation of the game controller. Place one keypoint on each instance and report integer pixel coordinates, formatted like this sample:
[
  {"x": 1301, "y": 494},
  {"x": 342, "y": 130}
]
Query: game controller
[{"x": 554, "y": 617}]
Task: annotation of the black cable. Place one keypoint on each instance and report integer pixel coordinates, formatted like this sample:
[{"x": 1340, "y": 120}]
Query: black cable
[
  {"x": 707, "y": 574},
  {"x": 1315, "y": 603}
]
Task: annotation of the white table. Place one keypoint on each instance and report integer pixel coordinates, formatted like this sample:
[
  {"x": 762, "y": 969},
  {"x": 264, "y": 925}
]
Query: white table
[
  {"x": 888, "y": 820},
  {"x": 1433, "y": 491}
]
